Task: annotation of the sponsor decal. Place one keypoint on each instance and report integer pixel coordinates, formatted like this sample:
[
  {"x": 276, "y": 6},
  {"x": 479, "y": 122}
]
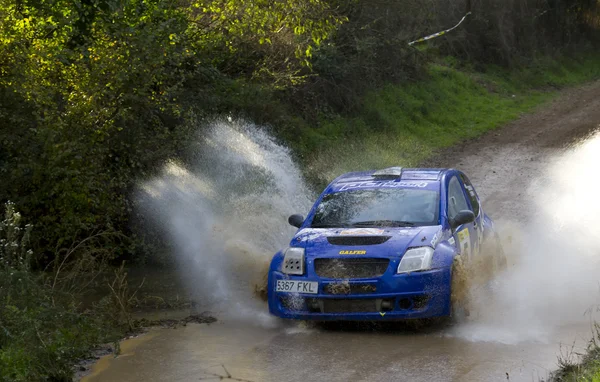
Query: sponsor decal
[
  {"x": 360, "y": 252},
  {"x": 308, "y": 234},
  {"x": 405, "y": 232},
  {"x": 362, "y": 231},
  {"x": 464, "y": 239},
  {"x": 383, "y": 184},
  {"x": 451, "y": 241},
  {"x": 436, "y": 239}
]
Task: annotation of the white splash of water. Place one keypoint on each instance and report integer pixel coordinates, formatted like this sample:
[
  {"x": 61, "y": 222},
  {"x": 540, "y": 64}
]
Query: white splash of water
[
  {"x": 553, "y": 276},
  {"x": 226, "y": 214}
]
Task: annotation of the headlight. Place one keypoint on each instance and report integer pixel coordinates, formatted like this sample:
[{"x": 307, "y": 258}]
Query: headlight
[
  {"x": 416, "y": 259},
  {"x": 293, "y": 261}
]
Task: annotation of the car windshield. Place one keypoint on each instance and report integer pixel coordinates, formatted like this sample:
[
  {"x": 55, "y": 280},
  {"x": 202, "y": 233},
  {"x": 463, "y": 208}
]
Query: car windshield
[{"x": 378, "y": 207}]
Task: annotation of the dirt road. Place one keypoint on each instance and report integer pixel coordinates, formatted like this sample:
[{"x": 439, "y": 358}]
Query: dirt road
[{"x": 502, "y": 164}]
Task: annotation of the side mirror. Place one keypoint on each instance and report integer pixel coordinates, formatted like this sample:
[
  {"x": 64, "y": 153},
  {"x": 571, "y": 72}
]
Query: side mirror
[
  {"x": 296, "y": 220},
  {"x": 463, "y": 217}
]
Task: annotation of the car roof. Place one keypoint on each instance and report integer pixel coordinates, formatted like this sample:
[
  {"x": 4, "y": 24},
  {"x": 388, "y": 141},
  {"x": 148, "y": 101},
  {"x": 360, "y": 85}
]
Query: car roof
[
  {"x": 407, "y": 174},
  {"x": 392, "y": 174}
]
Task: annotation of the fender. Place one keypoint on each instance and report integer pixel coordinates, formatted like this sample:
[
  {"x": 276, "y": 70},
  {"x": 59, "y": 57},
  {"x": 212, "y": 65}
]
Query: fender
[
  {"x": 443, "y": 256},
  {"x": 276, "y": 262},
  {"x": 274, "y": 267}
]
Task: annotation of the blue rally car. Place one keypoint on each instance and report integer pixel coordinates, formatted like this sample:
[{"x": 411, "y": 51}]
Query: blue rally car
[{"x": 379, "y": 245}]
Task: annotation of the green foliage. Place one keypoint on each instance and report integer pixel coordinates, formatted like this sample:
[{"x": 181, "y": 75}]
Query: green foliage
[
  {"x": 41, "y": 333},
  {"x": 94, "y": 95},
  {"x": 270, "y": 40},
  {"x": 40, "y": 341},
  {"x": 91, "y": 113}
]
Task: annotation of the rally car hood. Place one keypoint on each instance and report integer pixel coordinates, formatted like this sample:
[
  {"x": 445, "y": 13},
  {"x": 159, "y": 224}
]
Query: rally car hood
[{"x": 388, "y": 241}]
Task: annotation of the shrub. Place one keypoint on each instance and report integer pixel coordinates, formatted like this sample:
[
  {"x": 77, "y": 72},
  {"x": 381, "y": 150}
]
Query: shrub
[{"x": 41, "y": 332}]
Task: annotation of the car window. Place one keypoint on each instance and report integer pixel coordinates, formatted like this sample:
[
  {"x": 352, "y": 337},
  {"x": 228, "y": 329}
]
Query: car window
[
  {"x": 456, "y": 198},
  {"x": 378, "y": 207},
  {"x": 471, "y": 193}
]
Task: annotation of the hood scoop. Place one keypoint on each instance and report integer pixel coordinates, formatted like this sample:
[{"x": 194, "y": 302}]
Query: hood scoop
[{"x": 357, "y": 240}]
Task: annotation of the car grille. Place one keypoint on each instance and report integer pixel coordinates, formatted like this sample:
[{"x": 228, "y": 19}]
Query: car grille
[
  {"x": 354, "y": 268},
  {"x": 349, "y": 306},
  {"x": 349, "y": 288}
]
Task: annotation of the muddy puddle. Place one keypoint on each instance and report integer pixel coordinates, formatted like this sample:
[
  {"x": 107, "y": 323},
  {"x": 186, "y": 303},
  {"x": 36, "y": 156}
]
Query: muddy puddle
[
  {"x": 296, "y": 353},
  {"x": 126, "y": 349}
]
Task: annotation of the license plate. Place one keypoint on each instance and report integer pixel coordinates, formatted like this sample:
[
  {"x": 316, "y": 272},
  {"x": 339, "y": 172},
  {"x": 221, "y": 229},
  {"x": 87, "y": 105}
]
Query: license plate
[{"x": 295, "y": 286}]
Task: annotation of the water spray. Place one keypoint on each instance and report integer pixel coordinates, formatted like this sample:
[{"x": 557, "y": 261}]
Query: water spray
[{"x": 226, "y": 213}]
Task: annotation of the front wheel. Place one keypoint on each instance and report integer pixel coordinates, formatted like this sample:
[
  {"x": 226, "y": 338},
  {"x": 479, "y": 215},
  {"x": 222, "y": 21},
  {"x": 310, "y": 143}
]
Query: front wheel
[{"x": 472, "y": 279}]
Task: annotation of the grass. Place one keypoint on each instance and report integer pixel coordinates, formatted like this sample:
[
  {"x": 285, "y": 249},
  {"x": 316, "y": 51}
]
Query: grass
[
  {"x": 405, "y": 124},
  {"x": 43, "y": 333},
  {"x": 588, "y": 370},
  {"x": 43, "y": 329}
]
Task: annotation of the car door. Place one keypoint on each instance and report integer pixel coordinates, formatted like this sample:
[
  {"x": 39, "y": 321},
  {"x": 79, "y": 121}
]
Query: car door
[
  {"x": 475, "y": 204},
  {"x": 465, "y": 236}
]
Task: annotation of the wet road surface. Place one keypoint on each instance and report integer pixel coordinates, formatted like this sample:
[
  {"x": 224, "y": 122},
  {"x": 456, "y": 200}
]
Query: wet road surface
[
  {"x": 195, "y": 352},
  {"x": 502, "y": 165}
]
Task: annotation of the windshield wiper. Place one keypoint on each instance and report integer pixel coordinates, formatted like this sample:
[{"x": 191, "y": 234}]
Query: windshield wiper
[{"x": 384, "y": 223}]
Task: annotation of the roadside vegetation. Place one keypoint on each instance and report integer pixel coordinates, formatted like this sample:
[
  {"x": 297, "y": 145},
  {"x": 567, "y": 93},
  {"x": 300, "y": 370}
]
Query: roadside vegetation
[
  {"x": 587, "y": 369},
  {"x": 44, "y": 328},
  {"x": 407, "y": 123},
  {"x": 95, "y": 95}
]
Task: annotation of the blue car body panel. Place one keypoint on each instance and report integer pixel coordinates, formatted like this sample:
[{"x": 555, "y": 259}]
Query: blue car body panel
[{"x": 387, "y": 295}]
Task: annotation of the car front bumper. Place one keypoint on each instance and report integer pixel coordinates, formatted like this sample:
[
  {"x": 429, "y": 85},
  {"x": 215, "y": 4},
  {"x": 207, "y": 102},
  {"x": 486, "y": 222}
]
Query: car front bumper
[{"x": 389, "y": 297}]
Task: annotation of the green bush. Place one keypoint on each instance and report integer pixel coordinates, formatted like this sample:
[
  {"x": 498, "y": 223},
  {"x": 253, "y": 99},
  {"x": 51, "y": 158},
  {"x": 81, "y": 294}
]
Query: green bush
[
  {"x": 95, "y": 95},
  {"x": 42, "y": 335}
]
